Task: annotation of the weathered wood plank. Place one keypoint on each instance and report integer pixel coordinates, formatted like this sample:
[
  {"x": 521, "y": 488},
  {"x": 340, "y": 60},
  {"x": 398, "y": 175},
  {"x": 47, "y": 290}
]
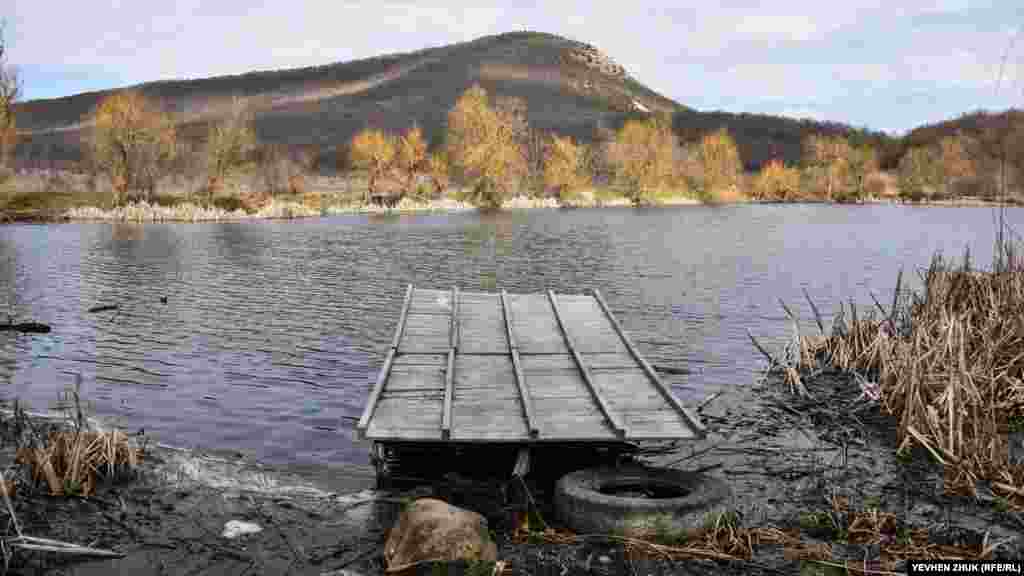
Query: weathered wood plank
[
  {"x": 435, "y": 302},
  {"x": 449, "y": 377},
  {"x": 699, "y": 431},
  {"x": 525, "y": 398},
  {"x": 587, "y": 325},
  {"x": 378, "y": 387},
  {"x": 419, "y": 360},
  {"x": 534, "y": 324},
  {"x": 425, "y": 333},
  {"x": 584, "y": 371}
]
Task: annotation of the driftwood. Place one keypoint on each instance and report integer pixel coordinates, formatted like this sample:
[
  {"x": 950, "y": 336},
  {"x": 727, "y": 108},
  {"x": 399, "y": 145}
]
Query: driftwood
[
  {"x": 102, "y": 308},
  {"x": 25, "y": 327}
]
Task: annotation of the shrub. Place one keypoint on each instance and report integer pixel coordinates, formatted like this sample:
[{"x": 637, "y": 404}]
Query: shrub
[
  {"x": 776, "y": 181},
  {"x": 228, "y": 203}
]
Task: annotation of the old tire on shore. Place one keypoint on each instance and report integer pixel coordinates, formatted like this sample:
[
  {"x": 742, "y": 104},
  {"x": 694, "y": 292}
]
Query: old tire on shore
[{"x": 638, "y": 501}]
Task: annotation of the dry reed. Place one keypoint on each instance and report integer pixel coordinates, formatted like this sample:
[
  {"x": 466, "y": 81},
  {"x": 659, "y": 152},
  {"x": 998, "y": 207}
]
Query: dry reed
[
  {"x": 947, "y": 362},
  {"x": 70, "y": 460}
]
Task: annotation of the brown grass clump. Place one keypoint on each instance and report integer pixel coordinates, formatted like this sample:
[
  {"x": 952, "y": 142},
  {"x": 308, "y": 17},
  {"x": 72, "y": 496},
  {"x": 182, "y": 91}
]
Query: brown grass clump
[
  {"x": 72, "y": 461},
  {"x": 948, "y": 362}
]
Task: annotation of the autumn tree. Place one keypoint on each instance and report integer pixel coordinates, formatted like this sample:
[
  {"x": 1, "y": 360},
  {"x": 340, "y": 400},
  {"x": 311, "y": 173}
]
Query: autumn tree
[
  {"x": 920, "y": 172},
  {"x": 827, "y": 160},
  {"x": 374, "y": 151},
  {"x": 228, "y": 144},
  {"x": 132, "y": 140},
  {"x": 10, "y": 91},
  {"x": 720, "y": 161},
  {"x": 411, "y": 157},
  {"x": 484, "y": 149},
  {"x": 862, "y": 162},
  {"x": 955, "y": 160},
  {"x": 565, "y": 167},
  {"x": 642, "y": 156},
  {"x": 776, "y": 181}
]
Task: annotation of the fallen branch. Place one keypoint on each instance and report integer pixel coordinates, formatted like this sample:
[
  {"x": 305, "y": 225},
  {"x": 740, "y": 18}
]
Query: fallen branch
[{"x": 25, "y": 327}]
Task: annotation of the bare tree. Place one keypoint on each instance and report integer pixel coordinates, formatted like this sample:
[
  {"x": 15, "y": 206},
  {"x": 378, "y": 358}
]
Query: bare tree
[
  {"x": 10, "y": 92},
  {"x": 132, "y": 140},
  {"x": 229, "y": 143}
]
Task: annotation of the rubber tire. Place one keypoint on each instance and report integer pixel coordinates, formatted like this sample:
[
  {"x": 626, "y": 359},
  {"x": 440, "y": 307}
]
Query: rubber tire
[{"x": 581, "y": 506}]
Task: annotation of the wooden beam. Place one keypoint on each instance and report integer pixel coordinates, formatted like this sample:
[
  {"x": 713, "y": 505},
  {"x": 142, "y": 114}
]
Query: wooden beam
[
  {"x": 449, "y": 377},
  {"x": 619, "y": 429},
  {"x": 371, "y": 403},
  {"x": 513, "y": 349},
  {"x": 690, "y": 418}
]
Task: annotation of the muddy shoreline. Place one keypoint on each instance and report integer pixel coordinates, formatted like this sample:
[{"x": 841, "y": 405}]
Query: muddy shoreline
[{"x": 784, "y": 461}]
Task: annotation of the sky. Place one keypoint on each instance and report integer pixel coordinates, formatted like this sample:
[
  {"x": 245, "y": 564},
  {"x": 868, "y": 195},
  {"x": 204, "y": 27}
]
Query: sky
[{"x": 887, "y": 66}]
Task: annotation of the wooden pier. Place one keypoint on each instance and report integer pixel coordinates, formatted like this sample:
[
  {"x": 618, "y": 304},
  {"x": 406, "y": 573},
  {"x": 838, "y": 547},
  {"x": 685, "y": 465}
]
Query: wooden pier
[{"x": 479, "y": 367}]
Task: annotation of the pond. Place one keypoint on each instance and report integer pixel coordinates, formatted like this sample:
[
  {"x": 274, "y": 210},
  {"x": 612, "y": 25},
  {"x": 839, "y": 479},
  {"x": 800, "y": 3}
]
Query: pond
[{"x": 265, "y": 337}]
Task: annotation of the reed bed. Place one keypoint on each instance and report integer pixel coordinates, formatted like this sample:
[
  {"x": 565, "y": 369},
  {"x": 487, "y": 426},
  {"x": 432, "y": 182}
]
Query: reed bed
[
  {"x": 947, "y": 361},
  {"x": 189, "y": 212}
]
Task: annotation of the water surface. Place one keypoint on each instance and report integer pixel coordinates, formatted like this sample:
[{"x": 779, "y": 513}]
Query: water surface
[{"x": 272, "y": 332}]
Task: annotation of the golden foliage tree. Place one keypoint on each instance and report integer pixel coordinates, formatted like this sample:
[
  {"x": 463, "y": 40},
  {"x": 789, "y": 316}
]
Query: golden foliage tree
[
  {"x": 827, "y": 159},
  {"x": 642, "y": 156},
  {"x": 411, "y": 157},
  {"x": 720, "y": 160},
  {"x": 10, "y": 92},
  {"x": 565, "y": 167},
  {"x": 862, "y": 162},
  {"x": 374, "y": 151},
  {"x": 955, "y": 159},
  {"x": 776, "y": 181},
  {"x": 920, "y": 172},
  {"x": 484, "y": 148},
  {"x": 132, "y": 140},
  {"x": 228, "y": 144}
]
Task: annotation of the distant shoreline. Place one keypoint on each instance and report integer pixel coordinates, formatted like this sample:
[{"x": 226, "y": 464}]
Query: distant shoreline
[{"x": 286, "y": 209}]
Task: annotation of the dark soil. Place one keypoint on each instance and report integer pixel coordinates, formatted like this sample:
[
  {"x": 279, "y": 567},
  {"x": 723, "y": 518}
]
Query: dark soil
[{"x": 783, "y": 459}]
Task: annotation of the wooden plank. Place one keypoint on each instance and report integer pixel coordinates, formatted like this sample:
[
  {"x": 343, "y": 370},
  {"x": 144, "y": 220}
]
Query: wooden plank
[
  {"x": 534, "y": 325},
  {"x": 378, "y": 387},
  {"x": 434, "y": 302},
  {"x": 426, "y": 333},
  {"x": 524, "y": 394},
  {"x": 699, "y": 431},
  {"x": 602, "y": 405},
  {"x": 449, "y": 378},
  {"x": 591, "y": 331}
]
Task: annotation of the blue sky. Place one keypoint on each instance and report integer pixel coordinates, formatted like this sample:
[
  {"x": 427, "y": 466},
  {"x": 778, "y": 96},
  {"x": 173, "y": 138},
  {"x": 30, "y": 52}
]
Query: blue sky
[{"x": 886, "y": 65}]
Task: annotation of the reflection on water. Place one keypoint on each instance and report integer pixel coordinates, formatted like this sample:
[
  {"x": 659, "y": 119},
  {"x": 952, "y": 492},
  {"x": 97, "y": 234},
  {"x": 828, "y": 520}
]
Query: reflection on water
[{"x": 266, "y": 336}]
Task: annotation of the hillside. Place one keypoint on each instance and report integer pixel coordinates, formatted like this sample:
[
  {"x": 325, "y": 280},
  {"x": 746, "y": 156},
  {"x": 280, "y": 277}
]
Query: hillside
[{"x": 569, "y": 87}]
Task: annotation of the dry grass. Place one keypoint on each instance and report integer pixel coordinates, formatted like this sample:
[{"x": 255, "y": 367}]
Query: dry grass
[
  {"x": 70, "y": 460},
  {"x": 947, "y": 362}
]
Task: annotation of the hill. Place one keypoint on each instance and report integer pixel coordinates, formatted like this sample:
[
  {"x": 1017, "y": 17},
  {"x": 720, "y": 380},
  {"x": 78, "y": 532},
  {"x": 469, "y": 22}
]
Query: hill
[{"x": 569, "y": 87}]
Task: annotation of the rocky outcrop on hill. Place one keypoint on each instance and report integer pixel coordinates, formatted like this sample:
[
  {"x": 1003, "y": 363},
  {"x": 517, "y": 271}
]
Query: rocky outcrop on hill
[{"x": 591, "y": 57}]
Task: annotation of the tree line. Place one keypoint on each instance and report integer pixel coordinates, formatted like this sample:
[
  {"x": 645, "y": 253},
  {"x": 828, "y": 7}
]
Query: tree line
[{"x": 490, "y": 150}]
